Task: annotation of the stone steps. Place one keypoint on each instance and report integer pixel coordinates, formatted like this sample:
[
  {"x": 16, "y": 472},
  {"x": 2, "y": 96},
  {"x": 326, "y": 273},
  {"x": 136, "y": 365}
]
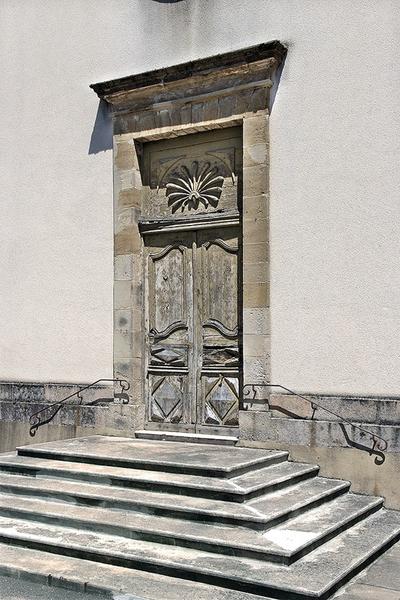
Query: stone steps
[
  {"x": 313, "y": 576},
  {"x": 264, "y": 511},
  {"x": 236, "y": 489},
  {"x": 233, "y": 520},
  {"x": 213, "y": 461},
  {"x": 275, "y": 545}
]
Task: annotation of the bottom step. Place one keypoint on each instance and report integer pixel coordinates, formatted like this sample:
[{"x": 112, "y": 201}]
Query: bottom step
[
  {"x": 192, "y": 438},
  {"x": 90, "y": 577}
]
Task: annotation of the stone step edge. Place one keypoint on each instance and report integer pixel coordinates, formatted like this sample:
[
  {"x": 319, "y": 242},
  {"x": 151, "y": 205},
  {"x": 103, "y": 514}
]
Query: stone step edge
[
  {"x": 230, "y": 495},
  {"x": 272, "y": 457},
  {"x": 206, "y": 575},
  {"x": 32, "y": 565},
  {"x": 193, "y": 438},
  {"x": 249, "y": 520},
  {"x": 183, "y": 540}
]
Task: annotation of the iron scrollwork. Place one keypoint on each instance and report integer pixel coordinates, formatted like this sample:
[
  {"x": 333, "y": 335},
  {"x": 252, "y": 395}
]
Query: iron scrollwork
[
  {"x": 47, "y": 413},
  {"x": 378, "y": 444}
]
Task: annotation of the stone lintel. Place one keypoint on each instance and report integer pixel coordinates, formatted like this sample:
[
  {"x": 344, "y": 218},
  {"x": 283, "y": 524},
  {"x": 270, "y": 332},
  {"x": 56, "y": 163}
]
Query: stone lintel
[{"x": 190, "y": 79}]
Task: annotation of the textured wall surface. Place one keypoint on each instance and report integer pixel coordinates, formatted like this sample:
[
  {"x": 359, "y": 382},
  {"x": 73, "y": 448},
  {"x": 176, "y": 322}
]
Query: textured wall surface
[{"x": 334, "y": 179}]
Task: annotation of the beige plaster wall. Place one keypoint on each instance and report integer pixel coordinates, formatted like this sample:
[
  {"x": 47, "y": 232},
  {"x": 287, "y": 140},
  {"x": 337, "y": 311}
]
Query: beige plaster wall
[{"x": 334, "y": 179}]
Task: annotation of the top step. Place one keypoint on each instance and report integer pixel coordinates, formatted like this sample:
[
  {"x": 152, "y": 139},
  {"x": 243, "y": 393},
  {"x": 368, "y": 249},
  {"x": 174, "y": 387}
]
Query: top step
[
  {"x": 191, "y": 438},
  {"x": 180, "y": 457}
]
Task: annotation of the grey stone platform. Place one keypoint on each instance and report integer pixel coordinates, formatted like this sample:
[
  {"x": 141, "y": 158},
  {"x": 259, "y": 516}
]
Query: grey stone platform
[{"x": 222, "y": 521}]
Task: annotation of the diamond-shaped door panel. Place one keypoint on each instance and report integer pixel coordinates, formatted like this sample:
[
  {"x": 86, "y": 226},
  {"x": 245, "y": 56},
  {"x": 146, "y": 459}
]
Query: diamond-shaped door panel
[
  {"x": 168, "y": 355},
  {"x": 166, "y": 404},
  {"x": 227, "y": 356},
  {"x": 221, "y": 400}
]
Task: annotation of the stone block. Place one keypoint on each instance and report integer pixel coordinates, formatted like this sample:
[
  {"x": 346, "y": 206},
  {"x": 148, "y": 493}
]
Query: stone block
[
  {"x": 255, "y": 130},
  {"x": 256, "y": 321},
  {"x": 123, "y": 267},
  {"x": 255, "y": 295},
  {"x": 128, "y": 241},
  {"x": 6, "y": 390},
  {"x": 255, "y": 180},
  {"x": 54, "y": 392},
  {"x": 256, "y": 369},
  {"x": 243, "y": 103},
  {"x": 163, "y": 118},
  {"x": 255, "y": 345},
  {"x": 122, "y": 334},
  {"x": 254, "y": 253},
  {"x": 137, "y": 295},
  {"x": 131, "y": 197},
  {"x": 255, "y": 272},
  {"x": 260, "y": 99},
  {"x": 123, "y": 368},
  {"x": 256, "y": 207},
  {"x": 122, "y": 294},
  {"x": 27, "y": 392},
  {"x": 137, "y": 344},
  {"x": 137, "y": 320},
  {"x": 256, "y": 230},
  {"x": 123, "y": 219},
  {"x": 226, "y": 106},
  {"x": 210, "y": 109},
  {"x": 256, "y": 154},
  {"x": 124, "y": 155}
]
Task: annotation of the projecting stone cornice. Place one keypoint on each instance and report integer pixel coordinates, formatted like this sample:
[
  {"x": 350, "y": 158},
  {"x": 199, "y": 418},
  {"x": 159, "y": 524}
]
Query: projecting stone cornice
[{"x": 222, "y": 75}]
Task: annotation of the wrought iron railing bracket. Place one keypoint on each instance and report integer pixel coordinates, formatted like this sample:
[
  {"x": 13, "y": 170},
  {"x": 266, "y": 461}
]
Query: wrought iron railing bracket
[
  {"x": 378, "y": 444},
  {"x": 39, "y": 418}
]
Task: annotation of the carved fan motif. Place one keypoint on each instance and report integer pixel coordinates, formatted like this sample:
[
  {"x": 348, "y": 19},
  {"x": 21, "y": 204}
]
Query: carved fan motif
[{"x": 189, "y": 188}]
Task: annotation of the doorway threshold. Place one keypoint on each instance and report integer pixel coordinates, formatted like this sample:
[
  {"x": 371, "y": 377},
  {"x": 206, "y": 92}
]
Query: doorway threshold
[{"x": 193, "y": 438}]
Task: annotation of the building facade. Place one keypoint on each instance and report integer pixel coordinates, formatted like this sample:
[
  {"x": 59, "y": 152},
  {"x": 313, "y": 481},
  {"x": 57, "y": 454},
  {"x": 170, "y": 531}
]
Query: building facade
[{"x": 216, "y": 213}]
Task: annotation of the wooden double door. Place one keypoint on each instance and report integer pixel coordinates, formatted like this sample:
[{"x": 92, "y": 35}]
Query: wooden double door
[{"x": 193, "y": 349}]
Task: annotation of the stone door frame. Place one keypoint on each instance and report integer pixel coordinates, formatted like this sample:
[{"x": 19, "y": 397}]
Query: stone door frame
[{"x": 228, "y": 90}]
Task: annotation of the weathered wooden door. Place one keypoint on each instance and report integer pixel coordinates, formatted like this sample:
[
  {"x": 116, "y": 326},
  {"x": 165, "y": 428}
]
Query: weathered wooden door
[
  {"x": 192, "y": 273},
  {"x": 193, "y": 330}
]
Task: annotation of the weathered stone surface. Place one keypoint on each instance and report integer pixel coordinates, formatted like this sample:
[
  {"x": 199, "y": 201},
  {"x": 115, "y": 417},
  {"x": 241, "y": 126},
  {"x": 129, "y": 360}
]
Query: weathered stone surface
[
  {"x": 256, "y": 321},
  {"x": 367, "y": 592},
  {"x": 223, "y": 460},
  {"x": 316, "y": 433},
  {"x": 26, "y": 589},
  {"x": 298, "y": 534},
  {"x": 374, "y": 410},
  {"x": 256, "y": 295},
  {"x": 90, "y": 577}
]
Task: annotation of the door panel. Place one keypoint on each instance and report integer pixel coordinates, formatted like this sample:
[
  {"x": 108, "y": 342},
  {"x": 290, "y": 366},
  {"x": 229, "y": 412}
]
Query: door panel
[
  {"x": 217, "y": 322},
  {"x": 169, "y": 324},
  {"x": 192, "y": 346}
]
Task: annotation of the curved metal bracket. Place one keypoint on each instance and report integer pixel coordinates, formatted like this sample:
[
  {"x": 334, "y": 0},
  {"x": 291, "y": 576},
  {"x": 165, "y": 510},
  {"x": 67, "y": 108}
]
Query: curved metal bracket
[
  {"x": 38, "y": 418},
  {"x": 379, "y": 444}
]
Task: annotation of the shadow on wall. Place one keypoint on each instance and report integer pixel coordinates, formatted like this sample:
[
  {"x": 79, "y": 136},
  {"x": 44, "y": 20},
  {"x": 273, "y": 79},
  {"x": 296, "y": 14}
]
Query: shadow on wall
[
  {"x": 102, "y": 134},
  {"x": 275, "y": 83}
]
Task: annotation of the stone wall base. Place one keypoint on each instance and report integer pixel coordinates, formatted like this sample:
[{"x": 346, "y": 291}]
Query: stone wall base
[
  {"x": 341, "y": 454},
  {"x": 19, "y": 400}
]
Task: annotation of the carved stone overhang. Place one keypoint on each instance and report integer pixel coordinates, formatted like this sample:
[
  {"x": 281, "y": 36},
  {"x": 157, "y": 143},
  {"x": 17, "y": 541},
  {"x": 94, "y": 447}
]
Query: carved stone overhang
[
  {"x": 224, "y": 218},
  {"x": 225, "y": 84}
]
